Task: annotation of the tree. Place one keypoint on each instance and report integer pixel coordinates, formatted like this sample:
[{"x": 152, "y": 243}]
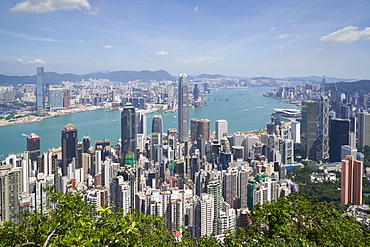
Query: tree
[{"x": 297, "y": 221}]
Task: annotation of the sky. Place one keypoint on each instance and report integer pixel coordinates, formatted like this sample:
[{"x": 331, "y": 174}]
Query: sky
[{"x": 247, "y": 38}]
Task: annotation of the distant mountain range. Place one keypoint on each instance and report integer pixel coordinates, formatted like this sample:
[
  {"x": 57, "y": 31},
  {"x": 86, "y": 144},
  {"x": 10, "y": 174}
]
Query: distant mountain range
[
  {"x": 145, "y": 75},
  {"x": 123, "y": 76}
]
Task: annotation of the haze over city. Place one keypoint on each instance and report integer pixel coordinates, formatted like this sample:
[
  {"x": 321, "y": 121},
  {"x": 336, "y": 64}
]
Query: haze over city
[{"x": 240, "y": 38}]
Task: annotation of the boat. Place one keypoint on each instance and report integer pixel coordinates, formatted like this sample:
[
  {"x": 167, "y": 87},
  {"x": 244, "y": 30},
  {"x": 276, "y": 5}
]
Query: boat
[{"x": 114, "y": 120}]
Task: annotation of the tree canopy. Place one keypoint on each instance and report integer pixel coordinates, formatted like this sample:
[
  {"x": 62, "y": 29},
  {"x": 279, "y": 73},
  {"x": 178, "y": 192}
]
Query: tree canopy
[{"x": 294, "y": 220}]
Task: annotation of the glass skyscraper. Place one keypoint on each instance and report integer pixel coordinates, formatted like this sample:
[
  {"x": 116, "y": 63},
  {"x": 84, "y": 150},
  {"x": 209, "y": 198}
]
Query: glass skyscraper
[
  {"x": 40, "y": 99},
  {"x": 183, "y": 107}
]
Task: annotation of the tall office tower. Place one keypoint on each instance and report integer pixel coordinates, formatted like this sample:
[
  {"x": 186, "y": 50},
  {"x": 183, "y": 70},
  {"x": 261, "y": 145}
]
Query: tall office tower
[
  {"x": 141, "y": 122},
  {"x": 323, "y": 128},
  {"x": 339, "y": 136},
  {"x": 183, "y": 107},
  {"x": 128, "y": 132},
  {"x": 85, "y": 144},
  {"x": 287, "y": 151},
  {"x": 199, "y": 128},
  {"x": 196, "y": 92},
  {"x": 221, "y": 128},
  {"x": 69, "y": 146},
  {"x": 157, "y": 126},
  {"x": 351, "y": 181},
  {"x": 203, "y": 215},
  {"x": 56, "y": 98},
  {"x": 363, "y": 130},
  {"x": 40, "y": 97},
  {"x": 214, "y": 187},
  {"x": 296, "y": 132},
  {"x": 309, "y": 129},
  {"x": 10, "y": 192},
  {"x": 33, "y": 146}
]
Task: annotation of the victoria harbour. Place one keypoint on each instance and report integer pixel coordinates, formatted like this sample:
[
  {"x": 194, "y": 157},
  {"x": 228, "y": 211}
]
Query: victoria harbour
[{"x": 244, "y": 109}]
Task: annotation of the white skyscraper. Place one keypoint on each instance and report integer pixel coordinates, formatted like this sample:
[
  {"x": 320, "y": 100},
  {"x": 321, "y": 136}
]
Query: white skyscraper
[
  {"x": 221, "y": 128},
  {"x": 296, "y": 132},
  {"x": 203, "y": 215}
]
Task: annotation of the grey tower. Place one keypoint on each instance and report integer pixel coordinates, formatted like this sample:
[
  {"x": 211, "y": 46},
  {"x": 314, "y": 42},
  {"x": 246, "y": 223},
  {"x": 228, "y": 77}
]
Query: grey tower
[
  {"x": 157, "y": 125},
  {"x": 363, "y": 129},
  {"x": 183, "y": 107},
  {"x": 128, "y": 131},
  {"x": 309, "y": 129},
  {"x": 40, "y": 99}
]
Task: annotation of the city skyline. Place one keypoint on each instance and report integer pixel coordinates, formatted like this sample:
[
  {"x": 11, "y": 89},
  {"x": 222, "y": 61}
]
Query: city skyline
[{"x": 246, "y": 38}]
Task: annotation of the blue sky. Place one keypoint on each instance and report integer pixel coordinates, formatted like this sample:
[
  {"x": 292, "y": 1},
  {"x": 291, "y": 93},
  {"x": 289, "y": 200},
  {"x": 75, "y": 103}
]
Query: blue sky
[{"x": 240, "y": 38}]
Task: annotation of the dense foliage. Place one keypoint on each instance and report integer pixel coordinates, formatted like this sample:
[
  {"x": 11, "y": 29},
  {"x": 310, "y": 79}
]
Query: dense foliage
[
  {"x": 323, "y": 191},
  {"x": 292, "y": 221}
]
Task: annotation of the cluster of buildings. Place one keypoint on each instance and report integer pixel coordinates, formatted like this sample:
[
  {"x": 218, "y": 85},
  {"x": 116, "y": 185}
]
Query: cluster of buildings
[
  {"x": 206, "y": 183},
  {"x": 196, "y": 180}
]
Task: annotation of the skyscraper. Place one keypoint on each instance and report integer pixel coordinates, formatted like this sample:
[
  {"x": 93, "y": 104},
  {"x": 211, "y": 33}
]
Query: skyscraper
[
  {"x": 309, "y": 129},
  {"x": 199, "y": 128},
  {"x": 351, "y": 181},
  {"x": 128, "y": 131},
  {"x": 364, "y": 129},
  {"x": 157, "y": 125},
  {"x": 56, "y": 98},
  {"x": 33, "y": 146},
  {"x": 183, "y": 107},
  {"x": 323, "y": 128},
  {"x": 69, "y": 146},
  {"x": 221, "y": 128},
  {"x": 339, "y": 136},
  {"x": 40, "y": 97}
]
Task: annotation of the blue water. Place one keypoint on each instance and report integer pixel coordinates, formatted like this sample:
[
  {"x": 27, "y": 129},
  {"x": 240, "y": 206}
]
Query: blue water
[{"x": 244, "y": 109}]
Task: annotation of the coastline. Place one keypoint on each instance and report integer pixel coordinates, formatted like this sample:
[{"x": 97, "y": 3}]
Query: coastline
[{"x": 31, "y": 119}]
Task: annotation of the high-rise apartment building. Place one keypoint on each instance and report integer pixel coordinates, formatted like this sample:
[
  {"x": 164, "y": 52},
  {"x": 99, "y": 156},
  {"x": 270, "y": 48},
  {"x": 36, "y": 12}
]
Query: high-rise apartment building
[
  {"x": 309, "y": 129},
  {"x": 203, "y": 215},
  {"x": 10, "y": 192},
  {"x": 183, "y": 107},
  {"x": 221, "y": 128},
  {"x": 33, "y": 146},
  {"x": 40, "y": 96},
  {"x": 69, "y": 146},
  {"x": 363, "y": 130},
  {"x": 128, "y": 131},
  {"x": 351, "y": 181}
]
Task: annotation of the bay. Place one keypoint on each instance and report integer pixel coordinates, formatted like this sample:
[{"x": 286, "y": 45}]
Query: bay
[{"x": 244, "y": 109}]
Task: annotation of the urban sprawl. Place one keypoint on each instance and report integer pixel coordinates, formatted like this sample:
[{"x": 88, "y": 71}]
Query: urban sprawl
[{"x": 203, "y": 182}]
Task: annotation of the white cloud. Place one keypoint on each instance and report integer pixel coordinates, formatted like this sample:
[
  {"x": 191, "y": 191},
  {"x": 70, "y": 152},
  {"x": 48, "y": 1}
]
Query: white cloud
[
  {"x": 29, "y": 37},
  {"x": 347, "y": 35},
  {"x": 35, "y": 61},
  {"x": 318, "y": 49},
  {"x": 46, "y": 6},
  {"x": 282, "y": 36},
  {"x": 272, "y": 29},
  {"x": 161, "y": 53},
  {"x": 200, "y": 59},
  {"x": 107, "y": 46},
  {"x": 280, "y": 47},
  {"x": 20, "y": 60},
  {"x": 195, "y": 9}
]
